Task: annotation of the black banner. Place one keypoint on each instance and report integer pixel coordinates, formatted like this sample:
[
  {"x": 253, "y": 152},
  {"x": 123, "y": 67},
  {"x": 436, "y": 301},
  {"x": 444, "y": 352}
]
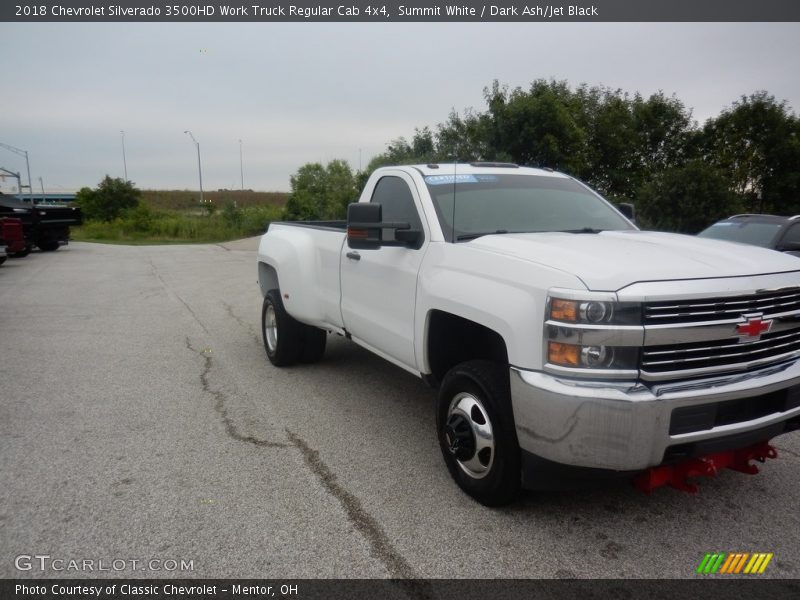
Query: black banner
[
  {"x": 399, "y": 11},
  {"x": 748, "y": 586}
]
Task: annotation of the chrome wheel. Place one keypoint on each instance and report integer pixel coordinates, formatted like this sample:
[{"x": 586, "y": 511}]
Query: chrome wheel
[
  {"x": 271, "y": 328},
  {"x": 283, "y": 336},
  {"x": 469, "y": 435}
]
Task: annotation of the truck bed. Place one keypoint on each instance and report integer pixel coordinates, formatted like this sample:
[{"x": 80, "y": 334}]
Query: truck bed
[
  {"x": 334, "y": 225},
  {"x": 310, "y": 252}
]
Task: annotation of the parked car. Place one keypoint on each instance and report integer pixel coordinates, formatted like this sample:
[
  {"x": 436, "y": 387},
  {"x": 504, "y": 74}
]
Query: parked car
[
  {"x": 768, "y": 231},
  {"x": 566, "y": 343}
]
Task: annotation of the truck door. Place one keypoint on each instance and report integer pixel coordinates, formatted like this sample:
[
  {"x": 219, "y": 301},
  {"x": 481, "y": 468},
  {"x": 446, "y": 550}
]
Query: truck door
[{"x": 379, "y": 287}]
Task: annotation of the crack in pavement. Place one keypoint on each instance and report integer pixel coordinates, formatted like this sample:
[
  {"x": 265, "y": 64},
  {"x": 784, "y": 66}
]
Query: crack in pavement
[
  {"x": 402, "y": 573},
  {"x": 364, "y": 523},
  {"x": 169, "y": 291},
  {"x": 245, "y": 325},
  {"x": 219, "y": 405}
]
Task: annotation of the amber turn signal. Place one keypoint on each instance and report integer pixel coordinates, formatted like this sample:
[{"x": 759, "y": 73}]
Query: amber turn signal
[
  {"x": 564, "y": 310},
  {"x": 565, "y": 355}
]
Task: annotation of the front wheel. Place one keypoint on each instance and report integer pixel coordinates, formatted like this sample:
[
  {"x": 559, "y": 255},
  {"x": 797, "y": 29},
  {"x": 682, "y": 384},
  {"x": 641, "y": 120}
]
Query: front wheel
[
  {"x": 283, "y": 335},
  {"x": 475, "y": 426}
]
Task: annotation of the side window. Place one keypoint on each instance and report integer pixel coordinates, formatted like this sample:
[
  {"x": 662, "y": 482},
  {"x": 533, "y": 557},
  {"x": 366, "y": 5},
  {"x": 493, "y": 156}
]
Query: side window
[{"x": 398, "y": 204}]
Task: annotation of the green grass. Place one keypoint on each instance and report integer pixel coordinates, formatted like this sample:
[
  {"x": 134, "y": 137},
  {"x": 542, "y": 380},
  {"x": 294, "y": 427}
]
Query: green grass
[
  {"x": 147, "y": 225},
  {"x": 184, "y": 200},
  {"x": 142, "y": 242}
]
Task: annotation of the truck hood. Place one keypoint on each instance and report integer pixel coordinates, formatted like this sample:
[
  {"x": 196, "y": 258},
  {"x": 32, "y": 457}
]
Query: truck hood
[{"x": 612, "y": 260}]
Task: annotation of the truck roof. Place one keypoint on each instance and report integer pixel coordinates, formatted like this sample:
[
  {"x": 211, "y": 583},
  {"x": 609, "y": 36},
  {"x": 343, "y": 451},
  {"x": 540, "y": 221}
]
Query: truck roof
[{"x": 493, "y": 168}]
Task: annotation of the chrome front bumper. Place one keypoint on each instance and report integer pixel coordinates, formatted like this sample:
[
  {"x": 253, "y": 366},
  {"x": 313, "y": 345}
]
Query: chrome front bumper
[{"x": 626, "y": 427}]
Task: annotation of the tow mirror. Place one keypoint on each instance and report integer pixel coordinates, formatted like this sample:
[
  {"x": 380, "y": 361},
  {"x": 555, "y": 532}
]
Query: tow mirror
[
  {"x": 366, "y": 230},
  {"x": 364, "y": 225}
]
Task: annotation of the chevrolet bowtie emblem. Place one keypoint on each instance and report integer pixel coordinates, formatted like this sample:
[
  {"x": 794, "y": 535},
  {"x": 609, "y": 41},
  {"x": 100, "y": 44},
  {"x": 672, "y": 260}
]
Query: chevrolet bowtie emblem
[{"x": 753, "y": 327}]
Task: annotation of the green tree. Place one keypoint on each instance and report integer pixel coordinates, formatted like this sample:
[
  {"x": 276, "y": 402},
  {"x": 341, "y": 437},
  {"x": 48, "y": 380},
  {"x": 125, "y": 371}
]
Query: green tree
[
  {"x": 686, "y": 199},
  {"x": 421, "y": 149},
  {"x": 757, "y": 143},
  {"x": 321, "y": 192},
  {"x": 629, "y": 140},
  {"x": 108, "y": 200},
  {"x": 466, "y": 138},
  {"x": 611, "y": 140},
  {"x": 626, "y": 146},
  {"x": 537, "y": 127},
  {"x": 664, "y": 129}
]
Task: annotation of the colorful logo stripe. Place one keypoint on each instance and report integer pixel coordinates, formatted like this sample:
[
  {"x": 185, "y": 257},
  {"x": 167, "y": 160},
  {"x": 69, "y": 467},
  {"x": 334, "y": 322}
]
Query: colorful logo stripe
[{"x": 734, "y": 563}]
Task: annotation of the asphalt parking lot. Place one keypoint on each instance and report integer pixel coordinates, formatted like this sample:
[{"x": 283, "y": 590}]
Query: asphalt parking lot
[{"x": 141, "y": 420}]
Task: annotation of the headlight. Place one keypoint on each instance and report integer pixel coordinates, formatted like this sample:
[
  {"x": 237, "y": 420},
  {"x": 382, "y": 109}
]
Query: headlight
[
  {"x": 594, "y": 312},
  {"x": 597, "y": 356},
  {"x": 589, "y": 334},
  {"x": 575, "y": 356}
]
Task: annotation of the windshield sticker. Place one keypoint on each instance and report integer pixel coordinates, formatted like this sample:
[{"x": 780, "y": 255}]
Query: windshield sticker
[{"x": 451, "y": 179}]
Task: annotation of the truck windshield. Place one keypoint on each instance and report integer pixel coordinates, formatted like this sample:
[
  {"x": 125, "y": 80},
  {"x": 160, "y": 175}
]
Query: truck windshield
[{"x": 469, "y": 205}]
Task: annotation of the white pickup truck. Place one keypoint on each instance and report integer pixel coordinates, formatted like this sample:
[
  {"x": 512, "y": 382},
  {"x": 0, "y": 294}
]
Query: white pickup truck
[{"x": 564, "y": 341}]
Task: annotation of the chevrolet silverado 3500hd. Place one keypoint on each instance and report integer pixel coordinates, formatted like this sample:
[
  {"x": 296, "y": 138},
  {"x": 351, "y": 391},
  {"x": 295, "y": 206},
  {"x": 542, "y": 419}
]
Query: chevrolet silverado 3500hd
[{"x": 564, "y": 340}]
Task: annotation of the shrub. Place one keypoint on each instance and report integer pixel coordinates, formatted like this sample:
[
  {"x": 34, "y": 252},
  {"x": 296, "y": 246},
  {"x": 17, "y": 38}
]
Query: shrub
[{"x": 111, "y": 198}]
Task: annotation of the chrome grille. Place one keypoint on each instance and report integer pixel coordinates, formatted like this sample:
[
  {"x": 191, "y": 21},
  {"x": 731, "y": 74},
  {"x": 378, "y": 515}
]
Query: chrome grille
[
  {"x": 718, "y": 309},
  {"x": 697, "y": 338},
  {"x": 721, "y": 354}
]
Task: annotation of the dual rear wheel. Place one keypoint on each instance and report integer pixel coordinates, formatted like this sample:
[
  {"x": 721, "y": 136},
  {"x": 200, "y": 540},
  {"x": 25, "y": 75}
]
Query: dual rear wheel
[{"x": 287, "y": 340}]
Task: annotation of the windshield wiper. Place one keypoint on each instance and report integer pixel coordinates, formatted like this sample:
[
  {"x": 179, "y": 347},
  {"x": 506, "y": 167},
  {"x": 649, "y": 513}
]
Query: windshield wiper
[
  {"x": 582, "y": 230},
  {"x": 472, "y": 236}
]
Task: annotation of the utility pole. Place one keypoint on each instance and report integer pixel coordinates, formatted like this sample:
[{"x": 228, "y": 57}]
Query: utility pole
[
  {"x": 27, "y": 165},
  {"x": 5, "y": 172},
  {"x": 199, "y": 169},
  {"x": 241, "y": 164},
  {"x": 124, "y": 162}
]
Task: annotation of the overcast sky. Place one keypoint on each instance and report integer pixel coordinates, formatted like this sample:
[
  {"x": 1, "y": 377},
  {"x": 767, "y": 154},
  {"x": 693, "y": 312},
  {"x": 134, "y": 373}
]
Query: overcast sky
[{"x": 302, "y": 92}]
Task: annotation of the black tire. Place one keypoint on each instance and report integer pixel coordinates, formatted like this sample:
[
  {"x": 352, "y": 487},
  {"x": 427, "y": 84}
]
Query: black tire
[
  {"x": 21, "y": 253},
  {"x": 283, "y": 335},
  {"x": 3, "y": 259},
  {"x": 48, "y": 245},
  {"x": 314, "y": 341},
  {"x": 475, "y": 397}
]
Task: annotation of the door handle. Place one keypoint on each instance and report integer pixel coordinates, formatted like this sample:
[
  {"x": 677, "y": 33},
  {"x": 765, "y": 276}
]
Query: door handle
[{"x": 353, "y": 255}]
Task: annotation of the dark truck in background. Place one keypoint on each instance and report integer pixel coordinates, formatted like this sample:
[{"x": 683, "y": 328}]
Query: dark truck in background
[
  {"x": 12, "y": 238},
  {"x": 44, "y": 225}
]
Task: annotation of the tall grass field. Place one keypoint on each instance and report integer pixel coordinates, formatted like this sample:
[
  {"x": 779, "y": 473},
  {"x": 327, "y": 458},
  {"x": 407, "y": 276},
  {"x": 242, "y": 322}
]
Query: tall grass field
[{"x": 177, "y": 216}]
